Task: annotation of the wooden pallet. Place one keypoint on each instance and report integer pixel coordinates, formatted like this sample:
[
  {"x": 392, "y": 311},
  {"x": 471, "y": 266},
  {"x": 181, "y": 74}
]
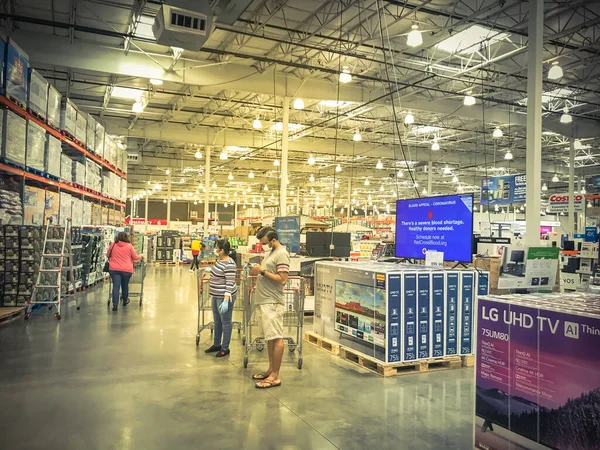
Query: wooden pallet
[
  {"x": 9, "y": 313},
  {"x": 389, "y": 369}
]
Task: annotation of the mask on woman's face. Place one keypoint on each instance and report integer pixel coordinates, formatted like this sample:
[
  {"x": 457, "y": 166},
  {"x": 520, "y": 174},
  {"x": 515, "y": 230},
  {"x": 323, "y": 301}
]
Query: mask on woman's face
[{"x": 216, "y": 252}]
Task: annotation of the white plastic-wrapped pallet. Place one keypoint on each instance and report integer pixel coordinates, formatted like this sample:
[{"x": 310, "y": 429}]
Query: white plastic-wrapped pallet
[
  {"x": 68, "y": 117},
  {"x": 65, "y": 208},
  {"x": 123, "y": 189},
  {"x": 38, "y": 94},
  {"x": 14, "y": 138},
  {"x": 81, "y": 127},
  {"x": 36, "y": 146},
  {"x": 66, "y": 168},
  {"x": 78, "y": 173},
  {"x": 77, "y": 212},
  {"x": 53, "y": 107},
  {"x": 87, "y": 213},
  {"x": 99, "y": 140},
  {"x": 52, "y": 156},
  {"x": 91, "y": 133},
  {"x": 109, "y": 149}
]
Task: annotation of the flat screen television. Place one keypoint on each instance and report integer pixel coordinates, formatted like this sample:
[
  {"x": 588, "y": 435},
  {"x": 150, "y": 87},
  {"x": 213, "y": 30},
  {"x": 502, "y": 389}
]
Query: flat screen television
[
  {"x": 443, "y": 224},
  {"x": 317, "y": 244}
]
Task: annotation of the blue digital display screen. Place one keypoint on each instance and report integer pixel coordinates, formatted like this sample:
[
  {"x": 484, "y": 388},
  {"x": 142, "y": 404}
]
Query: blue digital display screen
[{"x": 443, "y": 224}]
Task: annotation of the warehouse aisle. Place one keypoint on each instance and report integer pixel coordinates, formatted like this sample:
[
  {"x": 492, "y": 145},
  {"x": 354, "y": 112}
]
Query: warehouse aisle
[{"x": 135, "y": 380}]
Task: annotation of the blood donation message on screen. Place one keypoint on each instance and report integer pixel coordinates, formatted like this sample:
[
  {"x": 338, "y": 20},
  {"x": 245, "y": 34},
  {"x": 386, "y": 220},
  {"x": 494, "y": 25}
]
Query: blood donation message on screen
[{"x": 443, "y": 224}]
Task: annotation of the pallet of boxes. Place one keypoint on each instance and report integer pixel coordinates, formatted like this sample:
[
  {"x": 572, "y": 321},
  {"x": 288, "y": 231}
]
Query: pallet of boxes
[{"x": 395, "y": 319}]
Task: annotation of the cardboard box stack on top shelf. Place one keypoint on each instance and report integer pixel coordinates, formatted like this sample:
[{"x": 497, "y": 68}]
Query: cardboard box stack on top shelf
[
  {"x": 17, "y": 70},
  {"x": 91, "y": 134},
  {"x": 66, "y": 168},
  {"x": 68, "y": 117},
  {"x": 53, "y": 107},
  {"x": 79, "y": 173},
  {"x": 81, "y": 127},
  {"x": 38, "y": 94},
  {"x": 36, "y": 146},
  {"x": 52, "y": 156},
  {"x": 93, "y": 176},
  {"x": 99, "y": 140}
]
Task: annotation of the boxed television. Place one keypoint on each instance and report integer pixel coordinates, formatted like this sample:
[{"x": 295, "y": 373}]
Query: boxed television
[
  {"x": 36, "y": 146},
  {"x": 14, "y": 138},
  {"x": 53, "y": 107},
  {"x": 52, "y": 157},
  {"x": 17, "y": 70},
  {"x": 38, "y": 94}
]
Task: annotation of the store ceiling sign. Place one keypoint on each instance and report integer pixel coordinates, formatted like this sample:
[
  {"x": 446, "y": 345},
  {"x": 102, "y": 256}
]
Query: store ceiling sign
[
  {"x": 558, "y": 203},
  {"x": 504, "y": 190}
]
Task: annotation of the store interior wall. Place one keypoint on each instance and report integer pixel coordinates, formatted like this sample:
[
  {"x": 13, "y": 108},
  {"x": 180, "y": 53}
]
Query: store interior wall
[{"x": 181, "y": 210}]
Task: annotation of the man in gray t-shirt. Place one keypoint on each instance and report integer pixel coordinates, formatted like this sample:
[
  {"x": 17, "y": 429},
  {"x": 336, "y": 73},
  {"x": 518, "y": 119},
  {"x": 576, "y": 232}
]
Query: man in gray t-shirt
[{"x": 272, "y": 275}]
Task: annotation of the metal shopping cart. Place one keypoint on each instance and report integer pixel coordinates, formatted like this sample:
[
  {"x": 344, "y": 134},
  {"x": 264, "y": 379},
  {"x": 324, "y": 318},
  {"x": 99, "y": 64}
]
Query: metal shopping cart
[
  {"x": 205, "y": 303},
  {"x": 138, "y": 277},
  {"x": 292, "y": 318}
]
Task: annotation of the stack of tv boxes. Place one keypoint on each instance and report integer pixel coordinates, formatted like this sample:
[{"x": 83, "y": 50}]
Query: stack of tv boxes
[
  {"x": 21, "y": 247},
  {"x": 165, "y": 244},
  {"x": 396, "y": 312}
]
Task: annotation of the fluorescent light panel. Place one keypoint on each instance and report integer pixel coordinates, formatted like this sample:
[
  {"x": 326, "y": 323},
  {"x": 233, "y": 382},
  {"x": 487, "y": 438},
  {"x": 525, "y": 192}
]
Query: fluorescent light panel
[
  {"x": 467, "y": 41},
  {"x": 129, "y": 93}
]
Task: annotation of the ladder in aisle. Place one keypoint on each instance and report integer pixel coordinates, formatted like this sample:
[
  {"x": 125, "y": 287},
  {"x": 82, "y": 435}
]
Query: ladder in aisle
[{"x": 49, "y": 278}]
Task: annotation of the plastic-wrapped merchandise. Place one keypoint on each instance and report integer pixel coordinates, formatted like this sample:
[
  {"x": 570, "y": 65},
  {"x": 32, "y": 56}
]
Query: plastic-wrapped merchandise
[
  {"x": 93, "y": 173},
  {"x": 17, "y": 69},
  {"x": 68, "y": 117},
  {"x": 65, "y": 208},
  {"x": 2, "y": 63},
  {"x": 66, "y": 168},
  {"x": 99, "y": 140},
  {"x": 79, "y": 173},
  {"x": 38, "y": 94},
  {"x": 53, "y": 107},
  {"x": 14, "y": 138},
  {"x": 109, "y": 148},
  {"x": 87, "y": 213},
  {"x": 77, "y": 212},
  {"x": 52, "y": 156},
  {"x": 81, "y": 127},
  {"x": 123, "y": 189},
  {"x": 90, "y": 139},
  {"x": 36, "y": 146},
  {"x": 11, "y": 208}
]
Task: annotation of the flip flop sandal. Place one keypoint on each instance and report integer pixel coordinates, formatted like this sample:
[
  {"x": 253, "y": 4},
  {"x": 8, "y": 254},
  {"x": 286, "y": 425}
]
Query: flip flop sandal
[
  {"x": 260, "y": 376},
  {"x": 267, "y": 385}
]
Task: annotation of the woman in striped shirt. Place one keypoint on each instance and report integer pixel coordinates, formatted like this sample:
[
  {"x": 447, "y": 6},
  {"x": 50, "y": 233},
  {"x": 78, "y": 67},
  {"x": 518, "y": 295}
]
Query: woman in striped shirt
[{"x": 223, "y": 290}]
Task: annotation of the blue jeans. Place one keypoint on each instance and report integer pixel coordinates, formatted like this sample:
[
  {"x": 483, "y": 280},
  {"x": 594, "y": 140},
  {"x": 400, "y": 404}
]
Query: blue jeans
[
  {"x": 120, "y": 281},
  {"x": 223, "y": 323}
]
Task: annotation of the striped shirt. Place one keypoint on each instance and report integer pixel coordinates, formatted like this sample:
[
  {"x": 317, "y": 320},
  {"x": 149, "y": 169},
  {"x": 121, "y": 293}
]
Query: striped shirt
[
  {"x": 222, "y": 278},
  {"x": 267, "y": 291}
]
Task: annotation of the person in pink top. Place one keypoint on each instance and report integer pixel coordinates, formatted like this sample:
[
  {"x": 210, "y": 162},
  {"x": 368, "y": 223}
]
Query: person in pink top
[{"x": 121, "y": 256}]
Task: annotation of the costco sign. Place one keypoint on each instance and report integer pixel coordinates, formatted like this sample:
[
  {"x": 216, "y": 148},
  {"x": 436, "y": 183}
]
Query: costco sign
[{"x": 560, "y": 203}]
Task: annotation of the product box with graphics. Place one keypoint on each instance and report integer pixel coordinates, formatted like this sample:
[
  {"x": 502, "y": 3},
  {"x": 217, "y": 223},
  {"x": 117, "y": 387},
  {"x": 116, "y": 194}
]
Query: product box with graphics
[
  {"x": 52, "y": 207},
  {"x": 34, "y": 202},
  {"x": 538, "y": 372}
]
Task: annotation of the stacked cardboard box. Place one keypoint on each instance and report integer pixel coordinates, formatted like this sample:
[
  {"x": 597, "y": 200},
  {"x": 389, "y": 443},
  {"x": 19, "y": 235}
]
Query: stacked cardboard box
[
  {"x": 65, "y": 208},
  {"x": 91, "y": 133},
  {"x": 79, "y": 173},
  {"x": 81, "y": 127},
  {"x": 99, "y": 140},
  {"x": 38, "y": 94},
  {"x": 14, "y": 138},
  {"x": 17, "y": 69},
  {"x": 10, "y": 262},
  {"x": 93, "y": 175},
  {"x": 31, "y": 242},
  {"x": 66, "y": 168},
  {"x": 52, "y": 156},
  {"x": 53, "y": 108},
  {"x": 68, "y": 117},
  {"x": 36, "y": 146}
]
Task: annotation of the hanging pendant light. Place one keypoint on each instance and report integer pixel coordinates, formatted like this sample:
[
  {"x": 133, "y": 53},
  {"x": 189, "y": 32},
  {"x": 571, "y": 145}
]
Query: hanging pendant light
[
  {"x": 367, "y": 182},
  {"x": 414, "y": 38},
  {"x": 311, "y": 160},
  {"x": 508, "y": 155},
  {"x": 555, "y": 178},
  {"x": 555, "y": 72},
  {"x": 566, "y": 117},
  {"x": 312, "y": 179},
  {"x": 357, "y": 137},
  {"x": 409, "y": 119},
  {"x": 381, "y": 188},
  {"x": 257, "y": 124},
  {"x": 230, "y": 176},
  {"x": 223, "y": 155},
  {"x": 455, "y": 179},
  {"x": 544, "y": 187},
  {"x": 379, "y": 165},
  {"x": 198, "y": 155},
  {"x": 250, "y": 174},
  {"x": 345, "y": 75},
  {"x": 497, "y": 134},
  {"x": 298, "y": 103},
  {"x": 399, "y": 174},
  {"x": 469, "y": 100},
  {"x": 276, "y": 163},
  {"x": 435, "y": 146},
  {"x": 338, "y": 168}
]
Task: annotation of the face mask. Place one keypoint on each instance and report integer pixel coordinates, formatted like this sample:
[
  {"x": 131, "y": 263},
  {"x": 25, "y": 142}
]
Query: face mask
[
  {"x": 216, "y": 252},
  {"x": 269, "y": 246}
]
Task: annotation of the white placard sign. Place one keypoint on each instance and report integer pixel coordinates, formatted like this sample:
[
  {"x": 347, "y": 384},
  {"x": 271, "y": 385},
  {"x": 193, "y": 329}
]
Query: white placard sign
[
  {"x": 570, "y": 281},
  {"x": 434, "y": 259}
]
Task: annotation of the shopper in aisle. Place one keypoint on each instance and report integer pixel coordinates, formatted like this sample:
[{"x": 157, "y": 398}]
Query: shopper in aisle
[
  {"x": 272, "y": 275},
  {"x": 223, "y": 291},
  {"x": 195, "y": 246},
  {"x": 121, "y": 256}
]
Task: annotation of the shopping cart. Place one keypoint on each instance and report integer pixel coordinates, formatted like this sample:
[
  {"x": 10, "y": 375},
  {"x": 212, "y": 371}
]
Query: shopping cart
[
  {"x": 293, "y": 317},
  {"x": 205, "y": 303},
  {"x": 138, "y": 277}
]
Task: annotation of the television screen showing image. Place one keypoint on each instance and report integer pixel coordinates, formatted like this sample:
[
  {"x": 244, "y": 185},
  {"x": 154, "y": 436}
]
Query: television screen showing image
[
  {"x": 443, "y": 224},
  {"x": 360, "y": 312}
]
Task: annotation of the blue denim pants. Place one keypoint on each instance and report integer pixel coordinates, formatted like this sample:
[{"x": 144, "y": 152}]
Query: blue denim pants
[
  {"x": 223, "y": 322},
  {"x": 120, "y": 281}
]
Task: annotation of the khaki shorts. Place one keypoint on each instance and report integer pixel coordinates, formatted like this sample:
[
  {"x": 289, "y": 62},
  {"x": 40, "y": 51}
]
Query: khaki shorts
[{"x": 270, "y": 320}]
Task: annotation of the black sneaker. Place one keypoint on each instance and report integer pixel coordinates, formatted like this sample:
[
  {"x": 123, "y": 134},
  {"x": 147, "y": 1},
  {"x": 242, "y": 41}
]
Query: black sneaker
[
  {"x": 126, "y": 302},
  {"x": 115, "y": 307},
  {"x": 222, "y": 353},
  {"x": 213, "y": 349}
]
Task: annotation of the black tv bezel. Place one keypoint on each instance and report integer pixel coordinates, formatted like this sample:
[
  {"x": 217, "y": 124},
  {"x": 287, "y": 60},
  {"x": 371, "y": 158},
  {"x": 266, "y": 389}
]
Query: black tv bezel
[{"x": 470, "y": 260}]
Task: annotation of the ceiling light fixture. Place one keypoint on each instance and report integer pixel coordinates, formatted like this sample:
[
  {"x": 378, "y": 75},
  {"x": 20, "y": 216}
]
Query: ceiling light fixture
[
  {"x": 381, "y": 188},
  {"x": 198, "y": 155},
  {"x": 508, "y": 155},
  {"x": 167, "y": 171},
  {"x": 399, "y": 174},
  {"x": 138, "y": 107},
  {"x": 379, "y": 165},
  {"x": 555, "y": 178},
  {"x": 414, "y": 38},
  {"x": 250, "y": 174},
  {"x": 230, "y": 176},
  {"x": 460, "y": 188},
  {"x": 367, "y": 182},
  {"x": 544, "y": 187},
  {"x": 156, "y": 81},
  {"x": 566, "y": 117},
  {"x": 455, "y": 179},
  {"x": 424, "y": 191},
  {"x": 447, "y": 171},
  {"x": 165, "y": 200},
  {"x": 311, "y": 160},
  {"x": 583, "y": 191},
  {"x": 345, "y": 76},
  {"x": 555, "y": 72},
  {"x": 357, "y": 137},
  {"x": 435, "y": 146},
  {"x": 338, "y": 168},
  {"x": 409, "y": 119},
  {"x": 276, "y": 163},
  {"x": 223, "y": 155},
  {"x": 298, "y": 103},
  {"x": 497, "y": 134},
  {"x": 312, "y": 179},
  {"x": 266, "y": 188},
  {"x": 257, "y": 124},
  {"x": 469, "y": 100}
]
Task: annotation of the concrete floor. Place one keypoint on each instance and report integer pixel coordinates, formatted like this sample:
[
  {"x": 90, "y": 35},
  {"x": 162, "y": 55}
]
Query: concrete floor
[{"x": 135, "y": 380}]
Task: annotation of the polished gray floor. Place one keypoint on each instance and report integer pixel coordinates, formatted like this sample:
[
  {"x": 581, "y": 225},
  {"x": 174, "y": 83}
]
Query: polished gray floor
[{"x": 135, "y": 380}]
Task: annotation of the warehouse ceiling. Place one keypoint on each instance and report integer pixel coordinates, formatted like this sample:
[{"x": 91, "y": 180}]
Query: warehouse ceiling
[{"x": 103, "y": 55}]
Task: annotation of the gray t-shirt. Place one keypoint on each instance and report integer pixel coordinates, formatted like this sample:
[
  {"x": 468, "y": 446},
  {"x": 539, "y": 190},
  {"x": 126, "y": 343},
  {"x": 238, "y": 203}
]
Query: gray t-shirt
[{"x": 268, "y": 291}]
